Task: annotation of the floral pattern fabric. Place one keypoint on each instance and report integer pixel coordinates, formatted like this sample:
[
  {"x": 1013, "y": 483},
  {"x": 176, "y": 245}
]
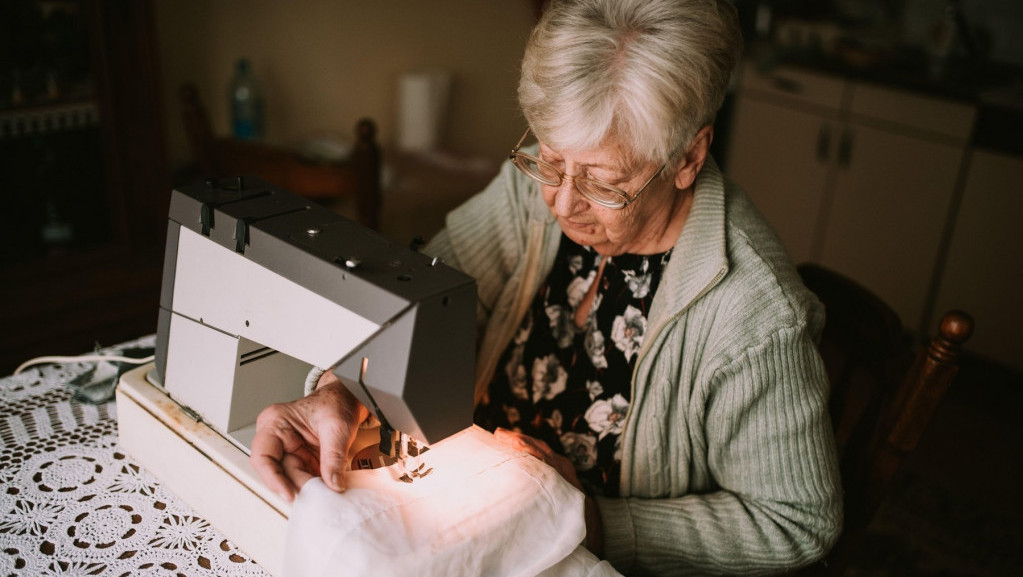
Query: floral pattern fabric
[{"x": 566, "y": 376}]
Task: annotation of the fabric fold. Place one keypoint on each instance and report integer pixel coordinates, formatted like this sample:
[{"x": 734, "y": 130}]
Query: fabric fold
[{"x": 484, "y": 509}]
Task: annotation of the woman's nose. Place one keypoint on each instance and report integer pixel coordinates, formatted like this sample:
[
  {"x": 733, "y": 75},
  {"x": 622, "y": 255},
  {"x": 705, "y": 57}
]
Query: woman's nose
[{"x": 567, "y": 199}]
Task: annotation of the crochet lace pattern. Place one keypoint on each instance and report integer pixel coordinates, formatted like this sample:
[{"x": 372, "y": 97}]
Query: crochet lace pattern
[{"x": 72, "y": 503}]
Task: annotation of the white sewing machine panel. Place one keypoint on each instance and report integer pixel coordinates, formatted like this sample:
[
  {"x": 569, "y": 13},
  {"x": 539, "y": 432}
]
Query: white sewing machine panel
[{"x": 260, "y": 285}]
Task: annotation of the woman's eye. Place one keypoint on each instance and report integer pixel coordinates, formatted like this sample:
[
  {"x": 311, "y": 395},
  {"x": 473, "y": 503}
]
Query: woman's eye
[
  {"x": 609, "y": 178},
  {"x": 555, "y": 163}
]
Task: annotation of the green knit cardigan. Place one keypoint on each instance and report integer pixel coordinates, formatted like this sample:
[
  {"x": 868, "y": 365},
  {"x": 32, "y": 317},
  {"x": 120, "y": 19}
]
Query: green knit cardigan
[{"x": 728, "y": 457}]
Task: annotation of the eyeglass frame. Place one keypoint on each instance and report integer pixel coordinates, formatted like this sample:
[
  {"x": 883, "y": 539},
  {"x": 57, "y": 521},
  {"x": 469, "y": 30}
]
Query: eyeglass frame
[{"x": 514, "y": 156}]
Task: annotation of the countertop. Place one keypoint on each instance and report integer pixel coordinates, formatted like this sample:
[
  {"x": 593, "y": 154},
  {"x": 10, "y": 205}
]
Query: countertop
[{"x": 995, "y": 88}]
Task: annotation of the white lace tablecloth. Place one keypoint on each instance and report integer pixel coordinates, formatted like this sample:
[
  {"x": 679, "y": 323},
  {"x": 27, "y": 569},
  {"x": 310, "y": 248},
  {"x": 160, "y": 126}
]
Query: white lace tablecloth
[{"x": 71, "y": 503}]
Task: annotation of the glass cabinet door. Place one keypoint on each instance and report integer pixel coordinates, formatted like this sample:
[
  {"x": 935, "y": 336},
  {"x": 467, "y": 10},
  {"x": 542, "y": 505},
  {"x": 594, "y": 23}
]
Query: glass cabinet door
[
  {"x": 51, "y": 161},
  {"x": 84, "y": 183}
]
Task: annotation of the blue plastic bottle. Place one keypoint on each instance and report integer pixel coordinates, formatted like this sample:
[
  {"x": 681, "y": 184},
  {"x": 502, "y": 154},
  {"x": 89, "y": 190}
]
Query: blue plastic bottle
[{"x": 246, "y": 103}]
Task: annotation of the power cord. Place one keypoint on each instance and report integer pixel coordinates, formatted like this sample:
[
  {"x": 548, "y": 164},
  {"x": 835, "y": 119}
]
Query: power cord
[{"x": 83, "y": 359}]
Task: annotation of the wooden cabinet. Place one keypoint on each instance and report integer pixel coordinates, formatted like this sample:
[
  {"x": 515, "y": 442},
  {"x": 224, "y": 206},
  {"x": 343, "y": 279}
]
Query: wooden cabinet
[
  {"x": 84, "y": 184},
  {"x": 853, "y": 176},
  {"x": 788, "y": 187},
  {"x": 888, "y": 213},
  {"x": 983, "y": 271}
]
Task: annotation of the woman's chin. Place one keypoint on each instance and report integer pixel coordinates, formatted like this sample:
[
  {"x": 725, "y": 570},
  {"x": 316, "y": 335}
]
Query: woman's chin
[
  {"x": 590, "y": 236},
  {"x": 585, "y": 235}
]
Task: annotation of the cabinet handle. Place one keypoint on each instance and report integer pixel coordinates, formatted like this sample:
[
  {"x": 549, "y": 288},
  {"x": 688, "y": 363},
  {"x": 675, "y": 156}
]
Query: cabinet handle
[
  {"x": 845, "y": 147},
  {"x": 824, "y": 144}
]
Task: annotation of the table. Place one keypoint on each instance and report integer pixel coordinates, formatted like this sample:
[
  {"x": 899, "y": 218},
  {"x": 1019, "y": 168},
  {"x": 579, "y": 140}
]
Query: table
[{"x": 71, "y": 503}]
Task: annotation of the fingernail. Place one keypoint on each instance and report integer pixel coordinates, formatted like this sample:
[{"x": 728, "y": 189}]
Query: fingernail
[{"x": 335, "y": 482}]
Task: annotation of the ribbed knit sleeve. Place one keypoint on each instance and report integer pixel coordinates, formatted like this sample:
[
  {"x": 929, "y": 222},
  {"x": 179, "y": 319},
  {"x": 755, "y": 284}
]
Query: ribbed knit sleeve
[
  {"x": 762, "y": 494},
  {"x": 486, "y": 236},
  {"x": 729, "y": 464}
]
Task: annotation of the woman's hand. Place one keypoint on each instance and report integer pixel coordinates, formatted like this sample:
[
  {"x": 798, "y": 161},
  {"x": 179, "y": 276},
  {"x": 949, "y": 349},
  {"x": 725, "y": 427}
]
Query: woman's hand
[
  {"x": 540, "y": 450},
  {"x": 306, "y": 438},
  {"x": 561, "y": 464}
]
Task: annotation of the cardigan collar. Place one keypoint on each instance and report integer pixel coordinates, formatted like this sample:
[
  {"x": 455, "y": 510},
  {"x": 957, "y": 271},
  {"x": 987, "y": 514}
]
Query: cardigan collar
[{"x": 699, "y": 259}]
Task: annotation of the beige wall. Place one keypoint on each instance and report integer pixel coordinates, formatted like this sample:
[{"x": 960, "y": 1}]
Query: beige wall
[{"x": 326, "y": 63}]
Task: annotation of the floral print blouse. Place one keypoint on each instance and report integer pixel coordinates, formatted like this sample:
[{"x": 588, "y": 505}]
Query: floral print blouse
[{"x": 566, "y": 377}]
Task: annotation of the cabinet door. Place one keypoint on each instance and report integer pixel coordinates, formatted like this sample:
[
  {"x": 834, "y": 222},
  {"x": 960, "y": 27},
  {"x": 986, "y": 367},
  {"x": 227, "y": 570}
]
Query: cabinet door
[
  {"x": 886, "y": 218},
  {"x": 84, "y": 184},
  {"x": 779, "y": 155},
  {"x": 984, "y": 269}
]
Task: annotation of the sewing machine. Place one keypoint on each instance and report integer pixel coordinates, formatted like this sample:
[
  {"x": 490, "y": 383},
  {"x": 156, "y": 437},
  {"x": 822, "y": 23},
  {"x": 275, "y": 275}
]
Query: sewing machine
[{"x": 259, "y": 287}]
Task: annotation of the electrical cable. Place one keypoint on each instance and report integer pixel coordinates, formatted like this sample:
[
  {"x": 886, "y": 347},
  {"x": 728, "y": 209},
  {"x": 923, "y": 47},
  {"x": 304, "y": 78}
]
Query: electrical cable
[{"x": 83, "y": 358}]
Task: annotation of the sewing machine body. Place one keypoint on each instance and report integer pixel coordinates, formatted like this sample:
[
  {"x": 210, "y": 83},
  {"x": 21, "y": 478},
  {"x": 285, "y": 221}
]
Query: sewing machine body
[{"x": 260, "y": 285}]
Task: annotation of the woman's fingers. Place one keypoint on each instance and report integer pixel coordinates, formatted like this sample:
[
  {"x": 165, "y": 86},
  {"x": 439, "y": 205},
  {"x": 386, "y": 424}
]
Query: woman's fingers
[
  {"x": 275, "y": 438},
  {"x": 313, "y": 434},
  {"x": 540, "y": 450},
  {"x": 334, "y": 456},
  {"x": 336, "y": 429},
  {"x": 296, "y": 471},
  {"x": 521, "y": 442}
]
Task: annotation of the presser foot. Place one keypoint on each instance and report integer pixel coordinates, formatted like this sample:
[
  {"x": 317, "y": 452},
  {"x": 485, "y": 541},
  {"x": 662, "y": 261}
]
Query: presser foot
[
  {"x": 410, "y": 456},
  {"x": 417, "y": 473},
  {"x": 406, "y": 455}
]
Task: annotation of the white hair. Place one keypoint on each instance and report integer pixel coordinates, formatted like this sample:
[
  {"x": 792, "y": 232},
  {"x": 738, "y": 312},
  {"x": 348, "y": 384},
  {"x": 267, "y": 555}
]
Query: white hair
[{"x": 648, "y": 73}]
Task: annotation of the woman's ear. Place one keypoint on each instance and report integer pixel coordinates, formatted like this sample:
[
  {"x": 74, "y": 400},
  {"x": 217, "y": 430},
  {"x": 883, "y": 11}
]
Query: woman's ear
[{"x": 692, "y": 163}]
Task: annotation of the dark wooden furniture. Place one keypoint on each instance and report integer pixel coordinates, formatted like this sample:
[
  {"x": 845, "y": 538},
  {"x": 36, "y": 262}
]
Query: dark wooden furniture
[
  {"x": 88, "y": 271},
  {"x": 427, "y": 186},
  {"x": 883, "y": 394},
  {"x": 358, "y": 177}
]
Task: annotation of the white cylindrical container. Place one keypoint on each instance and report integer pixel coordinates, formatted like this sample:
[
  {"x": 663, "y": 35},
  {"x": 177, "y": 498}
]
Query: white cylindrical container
[{"x": 422, "y": 108}]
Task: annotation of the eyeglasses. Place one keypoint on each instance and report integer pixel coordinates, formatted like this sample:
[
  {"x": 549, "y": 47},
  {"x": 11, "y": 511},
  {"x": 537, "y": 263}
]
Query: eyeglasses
[{"x": 598, "y": 191}]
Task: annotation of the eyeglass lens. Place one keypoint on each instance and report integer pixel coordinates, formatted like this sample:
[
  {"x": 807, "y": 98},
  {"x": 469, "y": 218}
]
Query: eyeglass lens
[{"x": 595, "y": 190}]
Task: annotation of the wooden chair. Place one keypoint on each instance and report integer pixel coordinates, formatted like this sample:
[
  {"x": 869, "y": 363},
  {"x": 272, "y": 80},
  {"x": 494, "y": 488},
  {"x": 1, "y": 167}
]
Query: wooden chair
[
  {"x": 357, "y": 177},
  {"x": 882, "y": 398}
]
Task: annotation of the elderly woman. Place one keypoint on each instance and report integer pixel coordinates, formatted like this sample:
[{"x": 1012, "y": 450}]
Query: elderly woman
[{"x": 644, "y": 331}]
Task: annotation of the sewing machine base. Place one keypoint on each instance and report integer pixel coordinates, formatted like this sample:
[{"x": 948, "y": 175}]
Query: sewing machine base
[{"x": 208, "y": 472}]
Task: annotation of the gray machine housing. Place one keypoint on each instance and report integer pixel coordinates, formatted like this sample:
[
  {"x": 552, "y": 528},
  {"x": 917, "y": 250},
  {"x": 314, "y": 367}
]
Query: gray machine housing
[{"x": 260, "y": 285}]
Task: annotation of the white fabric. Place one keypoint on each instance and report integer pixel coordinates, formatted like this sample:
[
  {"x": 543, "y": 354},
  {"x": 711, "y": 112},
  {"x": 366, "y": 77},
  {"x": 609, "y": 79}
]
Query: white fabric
[
  {"x": 483, "y": 510},
  {"x": 581, "y": 563}
]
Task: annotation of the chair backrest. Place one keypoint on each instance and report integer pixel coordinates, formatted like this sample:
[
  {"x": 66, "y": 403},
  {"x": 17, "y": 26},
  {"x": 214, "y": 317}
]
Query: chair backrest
[
  {"x": 357, "y": 177},
  {"x": 198, "y": 130},
  {"x": 883, "y": 393}
]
